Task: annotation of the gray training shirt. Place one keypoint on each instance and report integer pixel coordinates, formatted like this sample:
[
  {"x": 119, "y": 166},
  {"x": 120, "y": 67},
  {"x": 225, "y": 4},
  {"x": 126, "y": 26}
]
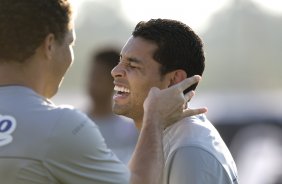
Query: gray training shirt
[
  {"x": 195, "y": 153},
  {"x": 43, "y": 143}
]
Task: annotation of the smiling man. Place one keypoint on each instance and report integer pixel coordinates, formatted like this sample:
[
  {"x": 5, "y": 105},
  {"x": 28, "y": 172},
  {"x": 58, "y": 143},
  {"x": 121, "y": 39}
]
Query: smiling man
[
  {"x": 161, "y": 53},
  {"x": 41, "y": 142}
]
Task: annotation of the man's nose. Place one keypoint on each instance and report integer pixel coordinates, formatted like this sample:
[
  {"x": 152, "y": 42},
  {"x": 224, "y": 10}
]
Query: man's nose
[{"x": 118, "y": 71}]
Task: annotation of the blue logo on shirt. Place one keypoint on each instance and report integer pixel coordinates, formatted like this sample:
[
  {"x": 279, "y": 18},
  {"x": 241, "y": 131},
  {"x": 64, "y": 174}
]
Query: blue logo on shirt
[{"x": 7, "y": 127}]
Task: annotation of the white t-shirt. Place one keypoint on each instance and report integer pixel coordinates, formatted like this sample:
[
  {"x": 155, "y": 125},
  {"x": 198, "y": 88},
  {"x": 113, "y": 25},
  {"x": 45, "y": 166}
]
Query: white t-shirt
[
  {"x": 48, "y": 144},
  {"x": 196, "y": 154}
]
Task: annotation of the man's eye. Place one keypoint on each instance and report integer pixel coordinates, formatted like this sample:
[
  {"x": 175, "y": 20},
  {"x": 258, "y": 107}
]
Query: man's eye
[
  {"x": 128, "y": 64},
  {"x": 132, "y": 66}
]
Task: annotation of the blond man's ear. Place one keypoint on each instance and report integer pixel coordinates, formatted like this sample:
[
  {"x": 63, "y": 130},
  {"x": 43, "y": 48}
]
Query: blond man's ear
[{"x": 49, "y": 45}]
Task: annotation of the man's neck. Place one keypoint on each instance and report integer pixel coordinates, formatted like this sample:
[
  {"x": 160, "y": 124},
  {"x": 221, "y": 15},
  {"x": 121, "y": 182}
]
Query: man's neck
[
  {"x": 16, "y": 73},
  {"x": 12, "y": 74}
]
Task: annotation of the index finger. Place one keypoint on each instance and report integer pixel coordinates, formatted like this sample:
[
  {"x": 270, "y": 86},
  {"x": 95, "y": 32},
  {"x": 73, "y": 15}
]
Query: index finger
[{"x": 180, "y": 87}]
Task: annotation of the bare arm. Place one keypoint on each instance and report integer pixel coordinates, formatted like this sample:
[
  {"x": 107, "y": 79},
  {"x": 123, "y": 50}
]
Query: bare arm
[{"x": 161, "y": 108}]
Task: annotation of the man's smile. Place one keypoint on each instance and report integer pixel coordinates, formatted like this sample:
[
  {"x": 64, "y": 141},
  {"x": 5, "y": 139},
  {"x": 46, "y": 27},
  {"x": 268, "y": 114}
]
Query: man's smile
[{"x": 121, "y": 92}]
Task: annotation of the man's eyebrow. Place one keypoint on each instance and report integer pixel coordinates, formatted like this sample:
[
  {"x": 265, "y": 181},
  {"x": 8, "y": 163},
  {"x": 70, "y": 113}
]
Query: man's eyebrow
[{"x": 131, "y": 59}]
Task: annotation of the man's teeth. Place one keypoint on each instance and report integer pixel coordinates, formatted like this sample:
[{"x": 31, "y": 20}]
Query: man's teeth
[{"x": 122, "y": 89}]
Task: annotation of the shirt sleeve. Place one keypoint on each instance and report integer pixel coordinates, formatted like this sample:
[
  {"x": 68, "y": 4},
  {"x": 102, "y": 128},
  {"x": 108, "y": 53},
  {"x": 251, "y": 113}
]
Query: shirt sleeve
[
  {"x": 78, "y": 154},
  {"x": 193, "y": 165}
]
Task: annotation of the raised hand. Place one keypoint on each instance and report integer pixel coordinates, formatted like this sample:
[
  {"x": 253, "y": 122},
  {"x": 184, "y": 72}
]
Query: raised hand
[{"x": 167, "y": 105}]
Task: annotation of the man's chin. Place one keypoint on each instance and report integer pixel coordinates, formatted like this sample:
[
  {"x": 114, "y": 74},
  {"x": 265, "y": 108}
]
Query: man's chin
[
  {"x": 122, "y": 112},
  {"x": 118, "y": 110}
]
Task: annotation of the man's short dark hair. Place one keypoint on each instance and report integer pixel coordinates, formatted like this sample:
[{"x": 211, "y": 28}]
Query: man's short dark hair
[
  {"x": 178, "y": 46},
  {"x": 24, "y": 24}
]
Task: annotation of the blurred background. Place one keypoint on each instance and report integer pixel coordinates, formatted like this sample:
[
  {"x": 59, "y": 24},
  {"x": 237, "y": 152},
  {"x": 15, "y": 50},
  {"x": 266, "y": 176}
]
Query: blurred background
[{"x": 242, "y": 83}]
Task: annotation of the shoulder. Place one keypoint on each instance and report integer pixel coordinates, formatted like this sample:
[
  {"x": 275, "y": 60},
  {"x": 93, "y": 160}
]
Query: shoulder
[
  {"x": 71, "y": 115},
  {"x": 191, "y": 130},
  {"x": 73, "y": 125},
  {"x": 65, "y": 116},
  {"x": 196, "y": 139},
  {"x": 78, "y": 152},
  {"x": 195, "y": 165},
  {"x": 72, "y": 132},
  {"x": 193, "y": 122},
  {"x": 202, "y": 159}
]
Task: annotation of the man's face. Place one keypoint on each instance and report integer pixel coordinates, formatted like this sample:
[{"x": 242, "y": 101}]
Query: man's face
[
  {"x": 134, "y": 76},
  {"x": 63, "y": 57}
]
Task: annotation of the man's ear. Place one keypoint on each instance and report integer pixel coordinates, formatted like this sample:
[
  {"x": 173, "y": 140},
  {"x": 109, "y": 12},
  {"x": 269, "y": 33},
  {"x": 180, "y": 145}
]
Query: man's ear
[
  {"x": 177, "y": 76},
  {"x": 49, "y": 46}
]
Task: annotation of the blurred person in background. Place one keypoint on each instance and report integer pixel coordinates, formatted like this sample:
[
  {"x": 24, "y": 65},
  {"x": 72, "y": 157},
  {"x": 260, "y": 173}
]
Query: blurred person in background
[
  {"x": 161, "y": 53},
  {"x": 41, "y": 142},
  {"x": 119, "y": 132}
]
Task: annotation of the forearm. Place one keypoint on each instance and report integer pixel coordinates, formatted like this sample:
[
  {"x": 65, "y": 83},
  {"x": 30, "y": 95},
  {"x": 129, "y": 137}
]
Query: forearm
[{"x": 147, "y": 161}]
